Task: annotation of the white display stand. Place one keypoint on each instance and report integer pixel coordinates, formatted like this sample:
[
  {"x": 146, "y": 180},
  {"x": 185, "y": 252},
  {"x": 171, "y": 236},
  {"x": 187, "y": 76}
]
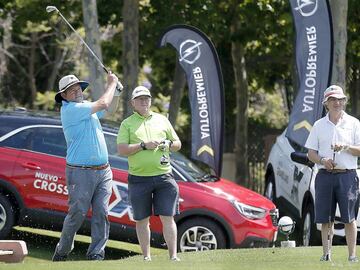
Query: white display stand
[{"x": 288, "y": 244}]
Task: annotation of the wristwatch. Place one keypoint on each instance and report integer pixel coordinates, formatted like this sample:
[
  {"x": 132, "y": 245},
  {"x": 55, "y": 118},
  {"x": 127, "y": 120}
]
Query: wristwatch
[{"x": 143, "y": 146}]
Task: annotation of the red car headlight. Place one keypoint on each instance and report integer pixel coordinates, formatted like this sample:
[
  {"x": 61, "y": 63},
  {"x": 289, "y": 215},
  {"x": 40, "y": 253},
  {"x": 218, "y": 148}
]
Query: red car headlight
[{"x": 249, "y": 211}]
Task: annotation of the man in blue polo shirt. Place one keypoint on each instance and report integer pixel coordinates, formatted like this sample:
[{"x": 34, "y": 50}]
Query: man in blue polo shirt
[{"x": 88, "y": 174}]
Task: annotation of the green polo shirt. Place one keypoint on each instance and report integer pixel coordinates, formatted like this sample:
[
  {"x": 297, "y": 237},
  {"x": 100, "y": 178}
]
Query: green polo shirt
[{"x": 137, "y": 128}]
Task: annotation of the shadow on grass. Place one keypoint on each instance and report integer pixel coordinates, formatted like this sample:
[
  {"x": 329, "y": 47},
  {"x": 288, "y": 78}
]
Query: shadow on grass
[{"x": 42, "y": 247}]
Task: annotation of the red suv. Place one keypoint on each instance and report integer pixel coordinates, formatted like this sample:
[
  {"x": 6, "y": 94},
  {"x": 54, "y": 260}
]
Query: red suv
[{"x": 215, "y": 213}]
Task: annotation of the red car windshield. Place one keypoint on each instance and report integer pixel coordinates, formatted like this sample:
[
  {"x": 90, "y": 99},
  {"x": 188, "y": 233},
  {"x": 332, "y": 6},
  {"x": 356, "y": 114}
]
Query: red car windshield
[{"x": 189, "y": 168}]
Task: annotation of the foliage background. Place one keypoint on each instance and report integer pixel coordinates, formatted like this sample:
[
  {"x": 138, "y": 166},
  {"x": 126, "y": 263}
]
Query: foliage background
[{"x": 37, "y": 48}]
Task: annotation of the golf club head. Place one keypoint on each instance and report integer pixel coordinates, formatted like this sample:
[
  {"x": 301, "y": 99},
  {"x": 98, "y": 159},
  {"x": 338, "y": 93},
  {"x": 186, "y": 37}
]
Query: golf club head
[{"x": 51, "y": 9}]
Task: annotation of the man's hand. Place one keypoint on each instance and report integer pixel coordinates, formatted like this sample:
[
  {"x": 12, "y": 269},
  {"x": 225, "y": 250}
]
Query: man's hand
[
  {"x": 112, "y": 79},
  {"x": 339, "y": 147},
  {"x": 165, "y": 145},
  {"x": 328, "y": 163},
  {"x": 151, "y": 145},
  {"x": 104, "y": 102}
]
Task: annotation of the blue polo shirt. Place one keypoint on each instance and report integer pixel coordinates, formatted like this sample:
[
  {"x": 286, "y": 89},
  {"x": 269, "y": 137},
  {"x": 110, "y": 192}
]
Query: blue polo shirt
[{"x": 84, "y": 136}]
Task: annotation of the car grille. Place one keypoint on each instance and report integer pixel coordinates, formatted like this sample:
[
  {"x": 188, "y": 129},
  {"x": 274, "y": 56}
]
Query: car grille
[{"x": 274, "y": 214}]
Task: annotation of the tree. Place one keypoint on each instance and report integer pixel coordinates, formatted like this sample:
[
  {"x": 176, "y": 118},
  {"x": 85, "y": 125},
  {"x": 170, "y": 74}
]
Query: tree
[
  {"x": 177, "y": 90},
  {"x": 242, "y": 106},
  {"x": 339, "y": 10},
  {"x": 353, "y": 58},
  {"x": 257, "y": 46},
  {"x": 130, "y": 58},
  {"x": 248, "y": 49},
  {"x": 30, "y": 58},
  {"x": 4, "y": 48},
  {"x": 92, "y": 38}
]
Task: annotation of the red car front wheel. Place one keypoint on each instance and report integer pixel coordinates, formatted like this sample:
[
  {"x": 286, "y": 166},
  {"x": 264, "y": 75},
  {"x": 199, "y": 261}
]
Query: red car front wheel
[{"x": 200, "y": 234}]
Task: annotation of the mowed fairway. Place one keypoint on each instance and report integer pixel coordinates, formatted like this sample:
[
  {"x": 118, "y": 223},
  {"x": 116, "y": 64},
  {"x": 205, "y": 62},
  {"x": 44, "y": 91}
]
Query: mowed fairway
[{"x": 122, "y": 255}]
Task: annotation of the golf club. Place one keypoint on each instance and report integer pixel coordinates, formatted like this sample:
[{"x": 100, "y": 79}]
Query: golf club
[
  {"x": 329, "y": 233},
  {"x": 49, "y": 9}
]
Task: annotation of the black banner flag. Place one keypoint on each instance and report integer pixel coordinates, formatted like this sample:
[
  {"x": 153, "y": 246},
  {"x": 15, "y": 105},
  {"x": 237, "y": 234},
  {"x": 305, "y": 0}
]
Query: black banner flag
[
  {"x": 314, "y": 50},
  {"x": 199, "y": 60}
]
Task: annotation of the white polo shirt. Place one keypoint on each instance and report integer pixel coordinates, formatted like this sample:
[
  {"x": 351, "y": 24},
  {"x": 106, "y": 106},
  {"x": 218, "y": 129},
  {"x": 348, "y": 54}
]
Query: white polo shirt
[{"x": 325, "y": 133}]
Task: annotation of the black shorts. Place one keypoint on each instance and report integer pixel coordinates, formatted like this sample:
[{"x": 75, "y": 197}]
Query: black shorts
[
  {"x": 332, "y": 189},
  {"x": 153, "y": 194}
]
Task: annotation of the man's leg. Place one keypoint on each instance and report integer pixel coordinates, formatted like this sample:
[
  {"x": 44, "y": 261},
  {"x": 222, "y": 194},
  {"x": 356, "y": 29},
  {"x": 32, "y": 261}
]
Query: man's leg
[
  {"x": 348, "y": 194},
  {"x": 79, "y": 204},
  {"x": 351, "y": 235},
  {"x": 143, "y": 235},
  {"x": 100, "y": 225},
  {"x": 141, "y": 197},
  {"x": 170, "y": 234},
  {"x": 325, "y": 205},
  {"x": 326, "y": 239}
]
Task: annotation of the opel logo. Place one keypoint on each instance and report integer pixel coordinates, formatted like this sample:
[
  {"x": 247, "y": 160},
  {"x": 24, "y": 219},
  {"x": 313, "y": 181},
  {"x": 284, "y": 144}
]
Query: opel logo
[
  {"x": 190, "y": 51},
  {"x": 307, "y": 8}
]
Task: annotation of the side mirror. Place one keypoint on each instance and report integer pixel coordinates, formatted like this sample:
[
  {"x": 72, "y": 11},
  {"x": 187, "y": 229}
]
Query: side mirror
[{"x": 301, "y": 158}]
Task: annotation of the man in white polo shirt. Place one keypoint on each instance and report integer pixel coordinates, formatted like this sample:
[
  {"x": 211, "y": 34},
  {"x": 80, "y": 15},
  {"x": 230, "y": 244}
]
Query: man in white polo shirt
[{"x": 334, "y": 145}]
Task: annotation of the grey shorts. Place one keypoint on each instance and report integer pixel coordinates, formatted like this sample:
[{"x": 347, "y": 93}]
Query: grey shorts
[
  {"x": 332, "y": 189},
  {"x": 153, "y": 194}
]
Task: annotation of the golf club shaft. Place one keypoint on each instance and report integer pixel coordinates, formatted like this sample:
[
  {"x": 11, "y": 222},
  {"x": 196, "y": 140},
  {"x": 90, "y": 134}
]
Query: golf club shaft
[
  {"x": 83, "y": 41},
  {"x": 119, "y": 86},
  {"x": 329, "y": 240},
  {"x": 328, "y": 237}
]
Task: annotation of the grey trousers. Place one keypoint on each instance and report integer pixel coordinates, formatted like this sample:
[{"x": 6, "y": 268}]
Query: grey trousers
[{"x": 87, "y": 188}]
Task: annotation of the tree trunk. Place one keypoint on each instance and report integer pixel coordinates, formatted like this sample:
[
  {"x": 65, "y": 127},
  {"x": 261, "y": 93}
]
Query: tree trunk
[
  {"x": 281, "y": 88},
  {"x": 353, "y": 91},
  {"x": 92, "y": 38},
  {"x": 32, "y": 79},
  {"x": 130, "y": 59},
  {"x": 60, "y": 54},
  {"x": 241, "y": 132},
  {"x": 339, "y": 10},
  {"x": 5, "y": 45},
  {"x": 176, "y": 92}
]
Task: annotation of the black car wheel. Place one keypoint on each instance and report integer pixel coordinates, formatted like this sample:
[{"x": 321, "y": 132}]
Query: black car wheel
[
  {"x": 200, "y": 234},
  {"x": 270, "y": 191},
  {"x": 310, "y": 235},
  {"x": 7, "y": 217}
]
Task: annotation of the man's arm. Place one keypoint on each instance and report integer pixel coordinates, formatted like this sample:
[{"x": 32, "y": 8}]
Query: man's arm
[
  {"x": 175, "y": 146},
  {"x": 327, "y": 162},
  {"x": 354, "y": 150},
  {"x": 314, "y": 157},
  {"x": 125, "y": 149},
  {"x": 130, "y": 149},
  {"x": 114, "y": 104},
  {"x": 104, "y": 102}
]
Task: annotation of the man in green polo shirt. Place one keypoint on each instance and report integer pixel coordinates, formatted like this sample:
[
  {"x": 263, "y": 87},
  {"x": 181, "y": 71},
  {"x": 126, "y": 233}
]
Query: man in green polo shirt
[{"x": 147, "y": 139}]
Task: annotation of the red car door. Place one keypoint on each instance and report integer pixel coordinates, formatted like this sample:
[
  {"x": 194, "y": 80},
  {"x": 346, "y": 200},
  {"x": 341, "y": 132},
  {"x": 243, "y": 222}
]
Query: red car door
[{"x": 39, "y": 170}]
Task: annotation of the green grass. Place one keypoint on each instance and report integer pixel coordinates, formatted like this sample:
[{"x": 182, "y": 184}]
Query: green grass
[{"x": 126, "y": 256}]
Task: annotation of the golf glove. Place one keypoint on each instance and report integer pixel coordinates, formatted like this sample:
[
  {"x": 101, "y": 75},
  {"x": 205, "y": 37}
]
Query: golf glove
[{"x": 118, "y": 89}]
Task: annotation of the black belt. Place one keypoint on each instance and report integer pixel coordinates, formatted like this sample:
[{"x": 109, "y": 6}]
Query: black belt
[
  {"x": 95, "y": 167},
  {"x": 335, "y": 171}
]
